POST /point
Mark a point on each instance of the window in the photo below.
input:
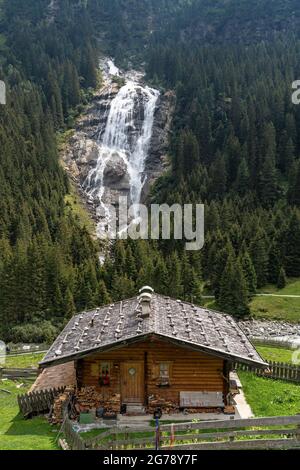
(164, 370)
(164, 374)
(105, 374)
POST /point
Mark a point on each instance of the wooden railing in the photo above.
(277, 370)
(74, 440)
(13, 374)
(256, 433)
(38, 402)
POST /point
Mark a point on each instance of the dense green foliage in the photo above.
(48, 263)
(235, 146)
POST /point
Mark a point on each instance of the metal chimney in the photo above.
(145, 301)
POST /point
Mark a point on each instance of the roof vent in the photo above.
(145, 301)
(146, 289)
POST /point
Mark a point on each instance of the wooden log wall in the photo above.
(190, 370)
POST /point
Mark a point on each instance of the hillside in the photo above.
(234, 145)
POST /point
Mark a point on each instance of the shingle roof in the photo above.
(180, 322)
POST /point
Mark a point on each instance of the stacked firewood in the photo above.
(59, 404)
(113, 405)
(88, 398)
(166, 406)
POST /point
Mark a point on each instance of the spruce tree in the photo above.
(69, 305)
(292, 247)
(234, 295)
(249, 273)
(281, 283)
(260, 258)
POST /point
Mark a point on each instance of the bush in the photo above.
(43, 332)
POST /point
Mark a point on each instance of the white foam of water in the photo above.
(121, 139)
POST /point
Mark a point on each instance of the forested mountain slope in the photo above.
(235, 146)
(47, 262)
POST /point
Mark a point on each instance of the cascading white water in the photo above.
(127, 136)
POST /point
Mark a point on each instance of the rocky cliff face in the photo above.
(157, 160)
(120, 144)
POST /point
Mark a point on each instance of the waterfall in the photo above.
(127, 136)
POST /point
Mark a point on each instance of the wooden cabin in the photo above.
(154, 352)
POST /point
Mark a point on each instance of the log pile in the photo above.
(113, 405)
(166, 406)
(58, 406)
(88, 398)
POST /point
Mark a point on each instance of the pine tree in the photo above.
(69, 305)
(175, 280)
(275, 263)
(103, 297)
(268, 183)
(294, 189)
(218, 174)
(243, 178)
(249, 273)
(260, 258)
(196, 288)
(234, 295)
(292, 248)
(281, 283)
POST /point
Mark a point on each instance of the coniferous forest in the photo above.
(235, 146)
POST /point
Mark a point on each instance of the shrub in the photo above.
(43, 332)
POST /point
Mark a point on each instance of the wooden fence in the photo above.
(13, 374)
(277, 370)
(255, 433)
(38, 402)
(74, 440)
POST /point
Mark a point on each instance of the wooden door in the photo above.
(132, 382)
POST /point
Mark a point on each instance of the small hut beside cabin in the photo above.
(153, 352)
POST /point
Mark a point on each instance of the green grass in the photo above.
(270, 353)
(25, 361)
(77, 208)
(17, 433)
(269, 397)
(271, 308)
(276, 308)
(292, 288)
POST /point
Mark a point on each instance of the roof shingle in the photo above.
(121, 323)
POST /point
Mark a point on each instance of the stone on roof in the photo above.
(173, 320)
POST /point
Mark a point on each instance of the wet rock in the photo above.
(82, 153)
(271, 329)
(158, 161)
(115, 174)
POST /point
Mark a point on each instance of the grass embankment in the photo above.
(271, 308)
(292, 288)
(278, 308)
(269, 353)
(269, 397)
(17, 433)
(25, 361)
